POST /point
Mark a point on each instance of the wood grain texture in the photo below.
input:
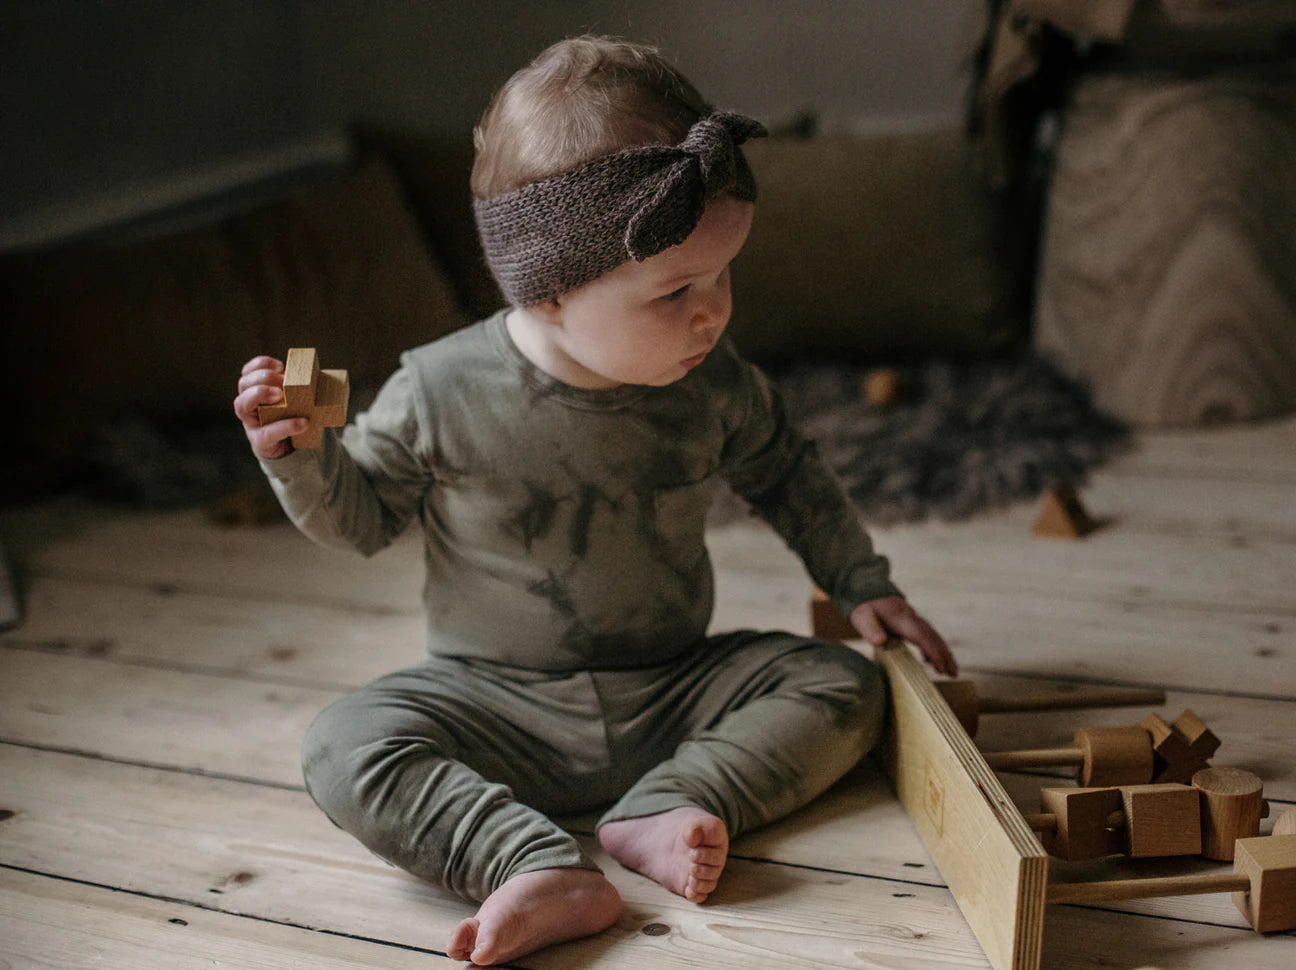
(994, 865)
(1168, 274)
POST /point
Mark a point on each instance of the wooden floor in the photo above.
(151, 808)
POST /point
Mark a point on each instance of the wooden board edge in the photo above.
(992, 862)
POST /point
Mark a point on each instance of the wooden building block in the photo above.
(1114, 756)
(1161, 820)
(1082, 822)
(826, 621)
(1062, 516)
(1285, 823)
(319, 395)
(1270, 863)
(1181, 749)
(1232, 804)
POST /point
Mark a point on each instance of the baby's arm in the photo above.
(359, 490)
(261, 382)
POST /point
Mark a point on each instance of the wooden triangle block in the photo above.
(320, 395)
(1062, 516)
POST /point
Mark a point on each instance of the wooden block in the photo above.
(1161, 820)
(310, 393)
(1114, 756)
(1232, 803)
(1270, 863)
(1083, 829)
(1181, 749)
(989, 857)
(826, 621)
(1285, 823)
(883, 387)
(1201, 742)
(1061, 515)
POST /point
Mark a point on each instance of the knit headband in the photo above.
(559, 233)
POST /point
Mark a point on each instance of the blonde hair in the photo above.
(580, 99)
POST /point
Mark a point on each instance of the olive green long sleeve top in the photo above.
(563, 527)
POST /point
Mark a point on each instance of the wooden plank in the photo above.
(197, 722)
(46, 922)
(223, 725)
(270, 853)
(992, 862)
(320, 644)
(1239, 452)
(181, 550)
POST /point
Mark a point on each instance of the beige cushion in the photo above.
(871, 247)
(163, 327)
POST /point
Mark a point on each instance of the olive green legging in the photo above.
(449, 769)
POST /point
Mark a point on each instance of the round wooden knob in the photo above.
(1232, 804)
(1114, 756)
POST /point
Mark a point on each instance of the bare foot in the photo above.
(684, 849)
(533, 910)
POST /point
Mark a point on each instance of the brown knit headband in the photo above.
(559, 233)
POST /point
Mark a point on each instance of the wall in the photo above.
(113, 107)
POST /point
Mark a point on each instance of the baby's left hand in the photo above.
(893, 616)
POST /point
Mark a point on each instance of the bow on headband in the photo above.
(559, 233)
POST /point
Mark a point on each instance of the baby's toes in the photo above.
(708, 855)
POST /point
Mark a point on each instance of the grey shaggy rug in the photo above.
(963, 438)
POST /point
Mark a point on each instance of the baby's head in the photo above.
(596, 153)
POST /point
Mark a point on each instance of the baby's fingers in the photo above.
(251, 398)
(263, 362)
(271, 441)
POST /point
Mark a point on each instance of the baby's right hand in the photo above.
(262, 383)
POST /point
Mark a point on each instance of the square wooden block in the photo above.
(1162, 820)
(1083, 822)
(1269, 861)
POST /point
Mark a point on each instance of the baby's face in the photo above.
(652, 322)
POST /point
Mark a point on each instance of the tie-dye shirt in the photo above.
(563, 527)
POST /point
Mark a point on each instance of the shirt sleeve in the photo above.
(361, 490)
(771, 465)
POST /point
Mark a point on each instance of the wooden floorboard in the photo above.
(152, 706)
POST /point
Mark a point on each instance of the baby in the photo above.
(559, 458)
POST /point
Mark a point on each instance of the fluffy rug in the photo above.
(960, 438)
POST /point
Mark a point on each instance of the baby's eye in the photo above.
(674, 295)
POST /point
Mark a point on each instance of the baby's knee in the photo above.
(853, 687)
(350, 757)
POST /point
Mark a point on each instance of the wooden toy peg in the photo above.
(1263, 883)
(1105, 756)
(1232, 805)
(1183, 748)
(968, 704)
(320, 395)
(1061, 515)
